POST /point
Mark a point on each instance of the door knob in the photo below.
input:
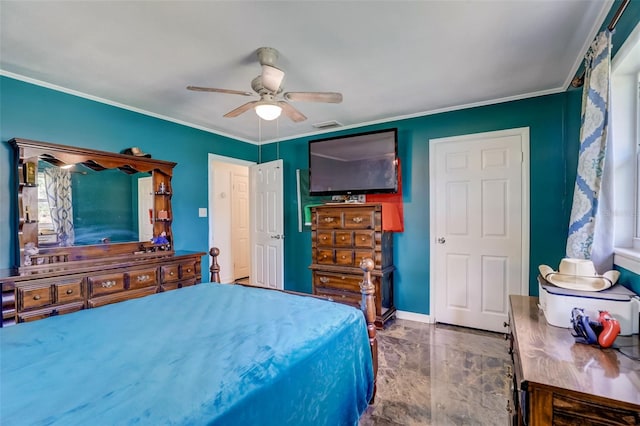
(441, 240)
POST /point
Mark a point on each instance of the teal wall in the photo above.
(33, 112)
(629, 279)
(552, 145)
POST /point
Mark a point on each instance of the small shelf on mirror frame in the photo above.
(166, 194)
(29, 185)
(29, 221)
(163, 220)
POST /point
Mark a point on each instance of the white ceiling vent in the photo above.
(327, 124)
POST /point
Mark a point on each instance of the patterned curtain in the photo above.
(58, 186)
(590, 226)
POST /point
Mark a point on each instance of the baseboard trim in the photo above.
(412, 316)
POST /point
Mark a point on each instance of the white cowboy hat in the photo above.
(578, 274)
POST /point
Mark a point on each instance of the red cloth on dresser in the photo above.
(392, 207)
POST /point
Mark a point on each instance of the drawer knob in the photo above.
(36, 297)
(324, 280)
(357, 219)
(171, 273)
(328, 219)
(188, 269)
(70, 291)
(343, 238)
(108, 284)
(344, 257)
(324, 237)
(142, 278)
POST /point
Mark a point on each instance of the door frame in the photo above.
(211, 191)
(523, 132)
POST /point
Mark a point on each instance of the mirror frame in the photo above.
(27, 153)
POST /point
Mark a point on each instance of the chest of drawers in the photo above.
(58, 291)
(342, 235)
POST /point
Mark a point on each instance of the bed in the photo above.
(212, 354)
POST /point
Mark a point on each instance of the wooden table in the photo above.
(560, 382)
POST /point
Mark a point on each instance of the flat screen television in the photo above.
(363, 163)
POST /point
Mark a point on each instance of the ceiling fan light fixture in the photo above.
(268, 111)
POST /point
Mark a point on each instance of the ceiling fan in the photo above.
(268, 85)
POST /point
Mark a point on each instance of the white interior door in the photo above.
(221, 196)
(479, 226)
(267, 224)
(240, 222)
(145, 208)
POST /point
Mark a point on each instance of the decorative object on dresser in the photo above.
(556, 381)
(96, 257)
(341, 236)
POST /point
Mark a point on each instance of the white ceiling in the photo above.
(389, 59)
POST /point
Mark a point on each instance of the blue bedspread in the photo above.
(203, 355)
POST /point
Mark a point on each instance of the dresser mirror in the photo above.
(78, 204)
(106, 206)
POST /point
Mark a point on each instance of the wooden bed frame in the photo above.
(368, 306)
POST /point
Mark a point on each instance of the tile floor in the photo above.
(439, 375)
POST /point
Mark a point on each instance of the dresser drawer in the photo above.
(119, 297)
(324, 257)
(344, 238)
(365, 239)
(49, 312)
(329, 219)
(141, 279)
(68, 291)
(346, 297)
(105, 284)
(32, 297)
(358, 255)
(337, 281)
(170, 273)
(325, 238)
(359, 219)
(344, 257)
(177, 284)
(568, 410)
(187, 270)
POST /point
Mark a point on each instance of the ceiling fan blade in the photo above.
(212, 89)
(242, 108)
(291, 112)
(272, 78)
(330, 97)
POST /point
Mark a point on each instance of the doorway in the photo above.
(479, 226)
(229, 207)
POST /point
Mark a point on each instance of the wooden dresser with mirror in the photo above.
(92, 228)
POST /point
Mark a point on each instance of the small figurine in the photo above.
(162, 188)
(160, 239)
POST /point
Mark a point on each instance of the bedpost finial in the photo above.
(367, 264)
(215, 268)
